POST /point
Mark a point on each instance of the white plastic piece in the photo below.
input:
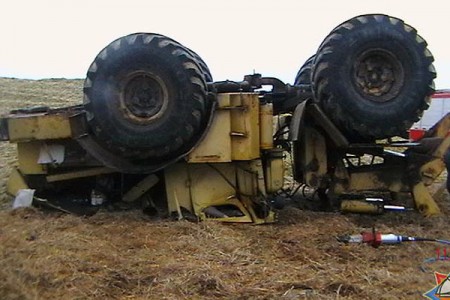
(24, 198)
(97, 198)
(51, 154)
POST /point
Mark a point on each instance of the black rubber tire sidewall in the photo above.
(182, 120)
(304, 74)
(335, 90)
(202, 64)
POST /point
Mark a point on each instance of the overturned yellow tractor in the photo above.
(155, 128)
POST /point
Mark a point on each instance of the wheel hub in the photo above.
(378, 75)
(144, 97)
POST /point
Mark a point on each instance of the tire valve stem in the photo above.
(376, 238)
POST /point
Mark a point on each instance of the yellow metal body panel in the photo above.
(244, 126)
(39, 127)
(251, 184)
(178, 187)
(79, 174)
(424, 201)
(28, 155)
(275, 171)
(266, 126)
(432, 169)
(235, 131)
(216, 146)
(366, 181)
(371, 181)
(211, 184)
(15, 183)
(250, 175)
(247, 179)
(198, 187)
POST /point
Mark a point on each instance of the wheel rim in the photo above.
(378, 75)
(144, 97)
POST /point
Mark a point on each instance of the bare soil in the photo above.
(128, 255)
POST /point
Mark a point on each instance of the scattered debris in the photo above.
(24, 198)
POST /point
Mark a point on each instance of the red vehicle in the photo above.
(439, 107)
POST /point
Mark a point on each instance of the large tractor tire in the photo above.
(304, 73)
(146, 98)
(203, 66)
(373, 76)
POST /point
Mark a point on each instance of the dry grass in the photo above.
(126, 255)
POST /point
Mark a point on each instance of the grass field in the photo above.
(128, 255)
